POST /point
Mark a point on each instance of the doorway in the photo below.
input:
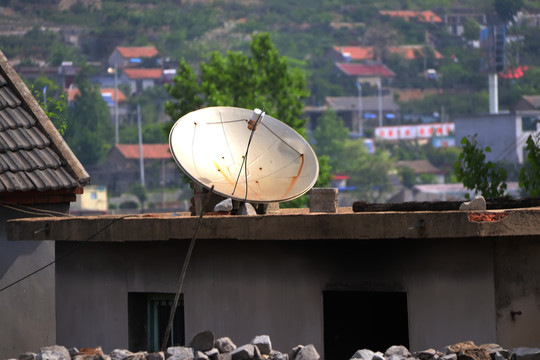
(355, 320)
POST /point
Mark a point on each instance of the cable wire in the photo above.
(184, 270)
(63, 256)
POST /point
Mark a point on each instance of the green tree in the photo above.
(471, 29)
(89, 131)
(263, 79)
(330, 135)
(477, 174)
(529, 176)
(368, 173)
(52, 100)
(506, 9)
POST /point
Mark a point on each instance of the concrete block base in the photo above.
(324, 200)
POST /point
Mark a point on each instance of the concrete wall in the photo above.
(496, 131)
(27, 309)
(518, 290)
(245, 288)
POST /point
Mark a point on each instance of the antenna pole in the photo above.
(141, 158)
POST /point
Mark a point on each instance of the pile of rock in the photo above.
(203, 347)
(467, 350)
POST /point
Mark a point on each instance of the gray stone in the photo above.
(247, 209)
(478, 203)
(155, 356)
(225, 205)
(244, 352)
(364, 354)
(525, 353)
(323, 200)
(212, 353)
(180, 353)
(492, 348)
(27, 356)
(395, 357)
(199, 355)
(203, 341)
(120, 354)
(73, 352)
(449, 357)
(428, 354)
(276, 355)
(54, 352)
(263, 343)
(225, 356)
(307, 352)
(378, 356)
(498, 356)
(224, 345)
(399, 350)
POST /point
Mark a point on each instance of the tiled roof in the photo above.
(408, 51)
(139, 73)
(534, 100)
(137, 51)
(150, 151)
(33, 155)
(357, 53)
(365, 69)
(369, 103)
(73, 93)
(420, 167)
(422, 16)
(362, 53)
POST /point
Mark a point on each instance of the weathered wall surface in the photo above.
(241, 288)
(27, 309)
(517, 281)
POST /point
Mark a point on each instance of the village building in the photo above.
(39, 176)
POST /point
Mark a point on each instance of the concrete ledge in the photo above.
(288, 225)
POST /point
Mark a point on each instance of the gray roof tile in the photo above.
(33, 156)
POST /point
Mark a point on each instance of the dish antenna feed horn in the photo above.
(247, 155)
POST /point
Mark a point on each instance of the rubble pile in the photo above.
(205, 347)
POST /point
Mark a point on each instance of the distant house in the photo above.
(427, 16)
(350, 107)
(128, 56)
(367, 53)
(528, 102)
(121, 168)
(39, 176)
(140, 79)
(372, 73)
(505, 134)
(454, 20)
(423, 167)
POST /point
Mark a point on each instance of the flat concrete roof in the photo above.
(286, 224)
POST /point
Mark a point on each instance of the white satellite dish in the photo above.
(210, 146)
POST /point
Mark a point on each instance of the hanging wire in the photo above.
(34, 211)
(66, 254)
(184, 270)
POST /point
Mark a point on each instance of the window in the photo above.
(148, 317)
(528, 123)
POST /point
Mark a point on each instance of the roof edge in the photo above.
(57, 141)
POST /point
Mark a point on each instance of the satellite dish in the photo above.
(211, 144)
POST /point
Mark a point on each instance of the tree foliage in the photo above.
(330, 135)
(89, 131)
(529, 176)
(477, 174)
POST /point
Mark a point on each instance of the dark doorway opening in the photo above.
(148, 317)
(355, 320)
